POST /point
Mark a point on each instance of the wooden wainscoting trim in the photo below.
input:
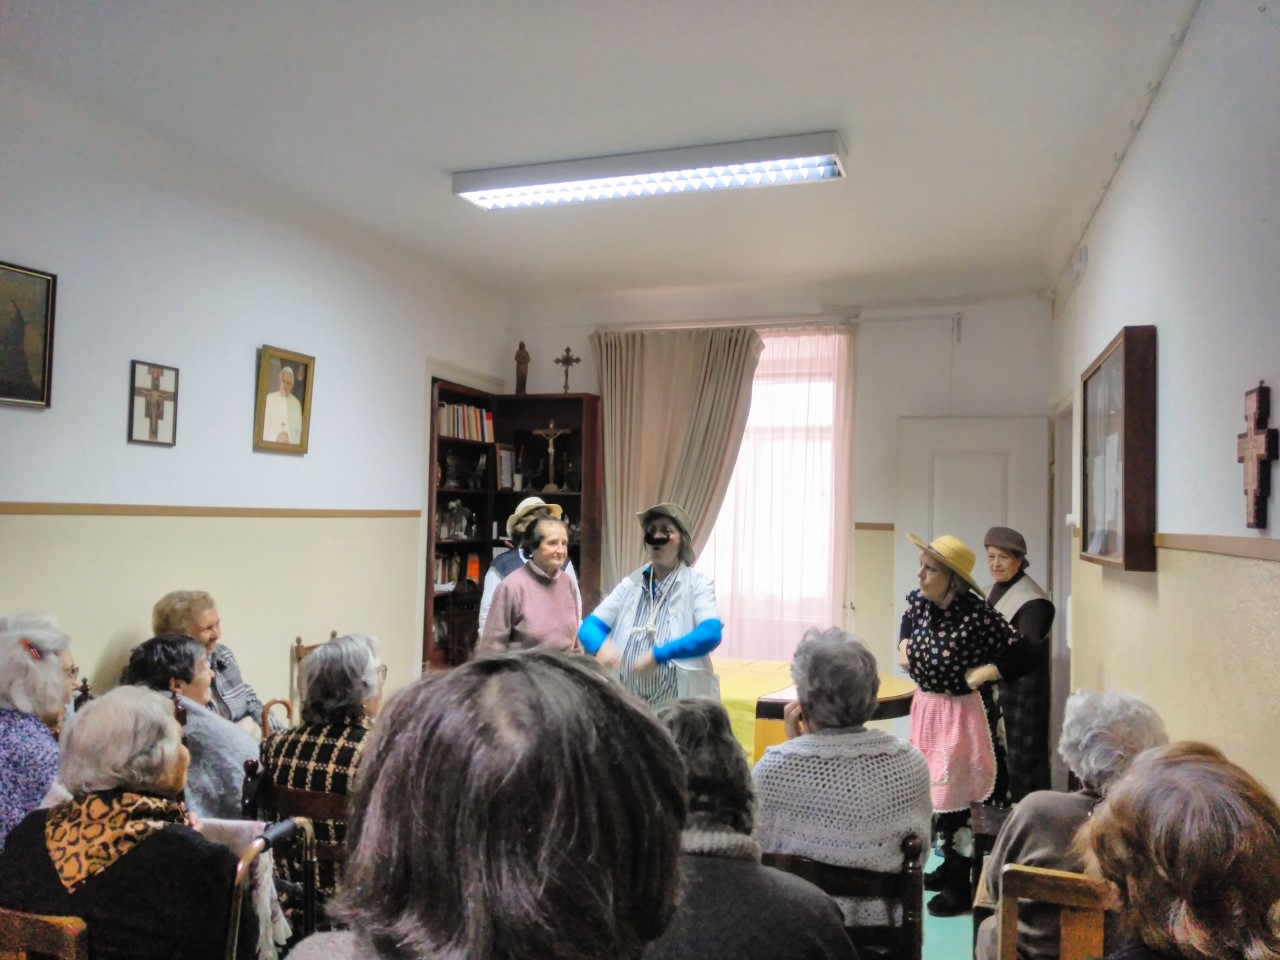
(1253, 548)
(155, 510)
(874, 526)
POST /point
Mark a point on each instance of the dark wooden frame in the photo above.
(36, 291)
(134, 367)
(1124, 378)
(266, 385)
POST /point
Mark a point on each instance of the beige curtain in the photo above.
(674, 406)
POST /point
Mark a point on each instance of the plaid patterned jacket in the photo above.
(233, 698)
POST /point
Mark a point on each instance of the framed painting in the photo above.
(506, 465)
(26, 335)
(282, 411)
(153, 404)
(1118, 453)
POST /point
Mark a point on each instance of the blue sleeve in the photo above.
(702, 639)
(593, 633)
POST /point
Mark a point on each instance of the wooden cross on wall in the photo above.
(1256, 448)
(154, 399)
(567, 361)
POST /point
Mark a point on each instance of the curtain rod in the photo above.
(848, 319)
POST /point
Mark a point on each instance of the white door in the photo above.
(963, 476)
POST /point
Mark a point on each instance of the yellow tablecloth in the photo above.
(742, 683)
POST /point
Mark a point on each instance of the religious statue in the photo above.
(550, 432)
(567, 361)
(522, 368)
(1256, 448)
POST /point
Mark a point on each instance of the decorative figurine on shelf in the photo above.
(567, 361)
(454, 471)
(458, 522)
(551, 431)
(522, 368)
(569, 471)
(476, 480)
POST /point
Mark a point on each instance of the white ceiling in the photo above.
(979, 132)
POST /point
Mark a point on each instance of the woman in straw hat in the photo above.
(659, 624)
(947, 630)
(505, 564)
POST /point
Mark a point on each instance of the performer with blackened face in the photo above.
(659, 624)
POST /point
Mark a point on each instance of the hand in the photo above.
(902, 653)
(793, 720)
(609, 654)
(193, 821)
(980, 675)
(645, 663)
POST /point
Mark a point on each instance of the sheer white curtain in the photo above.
(779, 551)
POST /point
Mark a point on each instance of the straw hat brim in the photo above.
(526, 507)
(967, 578)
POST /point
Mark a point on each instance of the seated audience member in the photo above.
(1102, 733)
(1190, 844)
(343, 681)
(180, 667)
(119, 854)
(539, 604)
(37, 679)
(730, 905)
(519, 806)
(504, 564)
(835, 791)
(193, 613)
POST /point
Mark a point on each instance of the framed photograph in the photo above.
(1118, 453)
(282, 412)
(506, 466)
(26, 335)
(153, 403)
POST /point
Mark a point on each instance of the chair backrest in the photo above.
(300, 650)
(905, 886)
(1083, 904)
(38, 937)
(262, 799)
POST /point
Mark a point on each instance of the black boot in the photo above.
(936, 878)
(957, 894)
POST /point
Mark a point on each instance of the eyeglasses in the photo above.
(72, 672)
(382, 672)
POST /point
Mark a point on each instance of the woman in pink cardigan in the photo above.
(539, 604)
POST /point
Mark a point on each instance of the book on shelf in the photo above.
(462, 421)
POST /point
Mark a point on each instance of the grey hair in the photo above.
(720, 787)
(837, 679)
(1103, 732)
(125, 738)
(29, 684)
(338, 677)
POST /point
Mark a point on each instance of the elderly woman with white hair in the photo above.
(119, 853)
(1102, 734)
(37, 679)
(342, 683)
(730, 904)
(836, 791)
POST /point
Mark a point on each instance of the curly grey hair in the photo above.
(720, 790)
(1103, 732)
(338, 677)
(125, 738)
(31, 680)
(837, 680)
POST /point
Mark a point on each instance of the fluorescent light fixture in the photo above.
(806, 158)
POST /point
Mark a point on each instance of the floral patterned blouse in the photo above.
(28, 766)
(944, 644)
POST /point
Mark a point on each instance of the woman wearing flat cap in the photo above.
(505, 564)
(947, 630)
(1023, 701)
(659, 624)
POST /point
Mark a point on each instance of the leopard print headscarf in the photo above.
(87, 835)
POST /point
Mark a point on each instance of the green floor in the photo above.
(946, 938)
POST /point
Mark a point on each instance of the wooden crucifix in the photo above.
(567, 361)
(1256, 448)
(154, 400)
(551, 431)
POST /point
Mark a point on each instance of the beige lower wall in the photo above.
(274, 578)
(1199, 639)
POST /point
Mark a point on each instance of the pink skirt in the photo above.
(952, 734)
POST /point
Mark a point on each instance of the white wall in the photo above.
(1189, 240)
(163, 256)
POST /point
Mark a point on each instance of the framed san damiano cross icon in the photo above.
(153, 404)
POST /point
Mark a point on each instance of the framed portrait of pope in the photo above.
(282, 413)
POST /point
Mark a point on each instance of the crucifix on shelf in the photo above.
(1256, 448)
(154, 400)
(567, 361)
(551, 431)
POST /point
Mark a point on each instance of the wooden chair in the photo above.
(300, 650)
(297, 830)
(36, 937)
(1083, 905)
(905, 885)
(986, 819)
